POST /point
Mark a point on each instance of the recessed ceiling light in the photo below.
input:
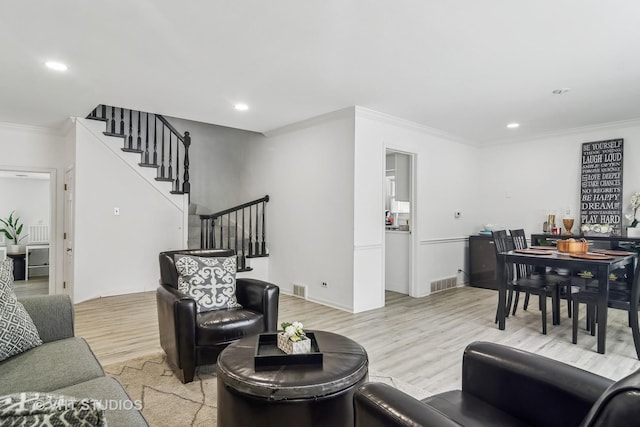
(513, 125)
(561, 91)
(241, 107)
(56, 66)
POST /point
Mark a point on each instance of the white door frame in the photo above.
(53, 219)
(414, 223)
(69, 229)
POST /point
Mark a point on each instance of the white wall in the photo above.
(117, 254)
(218, 168)
(446, 181)
(29, 198)
(307, 170)
(522, 181)
(40, 150)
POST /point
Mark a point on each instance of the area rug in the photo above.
(167, 402)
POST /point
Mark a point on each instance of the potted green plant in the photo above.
(11, 228)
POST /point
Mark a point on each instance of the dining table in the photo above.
(601, 264)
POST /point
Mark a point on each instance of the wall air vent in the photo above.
(300, 291)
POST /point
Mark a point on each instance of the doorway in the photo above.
(29, 194)
(69, 227)
(399, 221)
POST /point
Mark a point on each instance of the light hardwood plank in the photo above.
(31, 287)
(418, 340)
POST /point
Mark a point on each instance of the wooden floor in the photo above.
(418, 340)
(33, 286)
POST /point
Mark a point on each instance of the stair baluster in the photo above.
(122, 121)
(257, 248)
(139, 140)
(146, 143)
(244, 251)
(162, 155)
(213, 234)
(113, 120)
(170, 176)
(155, 140)
(186, 185)
(130, 139)
(263, 248)
(176, 186)
(221, 233)
(229, 230)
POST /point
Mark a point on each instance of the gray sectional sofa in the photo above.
(65, 364)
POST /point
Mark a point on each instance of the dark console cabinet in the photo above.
(18, 265)
(595, 242)
(482, 262)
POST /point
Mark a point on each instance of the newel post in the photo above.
(186, 185)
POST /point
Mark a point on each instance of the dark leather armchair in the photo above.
(193, 339)
(502, 386)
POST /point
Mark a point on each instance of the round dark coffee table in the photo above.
(300, 395)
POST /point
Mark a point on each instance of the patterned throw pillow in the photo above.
(210, 281)
(6, 271)
(42, 409)
(17, 331)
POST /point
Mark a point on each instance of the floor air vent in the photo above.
(300, 291)
(441, 285)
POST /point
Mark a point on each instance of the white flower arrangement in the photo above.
(292, 339)
(294, 331)
(635, 204)
(596, 228)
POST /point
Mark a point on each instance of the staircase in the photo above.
(241, 228)
(163, 148)
(154, 138)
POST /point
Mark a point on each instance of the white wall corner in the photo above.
(362, 112)
(314, 121)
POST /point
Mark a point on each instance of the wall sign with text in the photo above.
(601, 184)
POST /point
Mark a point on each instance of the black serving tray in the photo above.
(269, 356)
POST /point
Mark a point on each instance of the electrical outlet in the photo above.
(324, 284)
(116, 211)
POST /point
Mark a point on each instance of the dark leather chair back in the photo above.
(619, 405)
(168, 272)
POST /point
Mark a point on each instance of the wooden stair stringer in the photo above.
(132, 160)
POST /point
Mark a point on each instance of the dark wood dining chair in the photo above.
(521, 282)
(564, 282)
(623, 300)
(504, 244)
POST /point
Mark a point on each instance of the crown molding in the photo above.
(407, 124)
(61, 130)
(313, 121)
(568, 132)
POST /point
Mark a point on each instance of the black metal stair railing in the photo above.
(158, 135)
(242, 228)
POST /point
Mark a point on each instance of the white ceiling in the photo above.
(466, 67)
